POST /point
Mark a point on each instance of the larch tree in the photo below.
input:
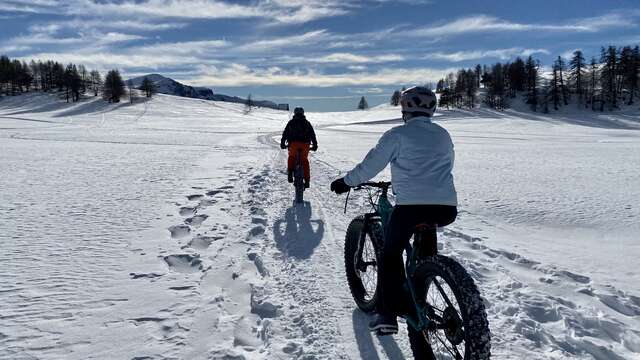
(148, 87)
(113, 88)
(577, 66)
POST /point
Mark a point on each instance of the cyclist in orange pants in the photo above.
(299, 135)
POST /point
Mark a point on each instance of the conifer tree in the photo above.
(148, 87)
(95, 81)
(395, 98)
(362, 105)
(113, 88)
(561, 67)
(531, 70)
(577, 66)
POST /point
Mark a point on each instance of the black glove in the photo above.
(283, 146)
(339, 186)
(314, 147)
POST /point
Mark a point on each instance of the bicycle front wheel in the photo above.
(454, 303)
(361, 253)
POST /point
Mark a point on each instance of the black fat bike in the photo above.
(445, 315)
(298, 178)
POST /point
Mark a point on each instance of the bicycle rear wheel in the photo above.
(298, 179)
(456, 306)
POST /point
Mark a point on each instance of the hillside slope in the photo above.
(168, 86)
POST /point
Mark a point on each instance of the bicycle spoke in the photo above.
(453, 350)
(367, 270)
(441, 290)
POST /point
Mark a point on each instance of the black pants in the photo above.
(397, 234)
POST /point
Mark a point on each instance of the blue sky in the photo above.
(322, 54)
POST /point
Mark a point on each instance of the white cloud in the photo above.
(114, 37)
(348, 58)
(241, 75)
(85, 23)
(42, 39)
(192, 9)
(90, 39)
(308, 38)
(275, 10)
(485, 23)
(106, 60)
(367, 91)
(502, 54)
(181, 48)
(351, 59)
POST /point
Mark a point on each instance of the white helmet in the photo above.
(419, 100)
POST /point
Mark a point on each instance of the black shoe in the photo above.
(384, 325)
(306, 184)
(290, 176)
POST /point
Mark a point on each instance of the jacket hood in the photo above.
(299, 117)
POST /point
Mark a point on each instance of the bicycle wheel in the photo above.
(298, 179)
(298, 183)
(362, 271)
(463, 330)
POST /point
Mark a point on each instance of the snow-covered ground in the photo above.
(166, 229)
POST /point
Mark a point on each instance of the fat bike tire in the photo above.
(366, 300)
(298, 184)
(477, 336)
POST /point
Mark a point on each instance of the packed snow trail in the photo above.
(168, 228)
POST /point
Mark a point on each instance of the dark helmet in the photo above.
(298, 111)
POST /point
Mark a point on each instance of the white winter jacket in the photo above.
(421, 156)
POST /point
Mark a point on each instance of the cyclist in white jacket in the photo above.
(421, 157)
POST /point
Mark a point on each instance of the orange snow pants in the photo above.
(304, 149)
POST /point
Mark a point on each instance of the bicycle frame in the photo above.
(383, 209)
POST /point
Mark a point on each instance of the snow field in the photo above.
(167, 229)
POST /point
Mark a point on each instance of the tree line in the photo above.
(606, 82)
(17, 77)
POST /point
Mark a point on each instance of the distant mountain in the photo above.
(169, 86)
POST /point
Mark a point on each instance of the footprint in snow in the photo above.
(257, 261)
(147, 276)
(257, 230)
(184, 263)
(207, 202)
(201, 242)
(194, 197)
(258, 220)
(620, 304)
(187, 210)
(196, 220)
(256, 211)
(179, 231)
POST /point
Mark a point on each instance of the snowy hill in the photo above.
(169, 86)
(167, 227)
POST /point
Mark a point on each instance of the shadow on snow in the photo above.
(297, 235)
(365, 341)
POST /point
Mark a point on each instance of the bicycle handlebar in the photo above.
(379, 185)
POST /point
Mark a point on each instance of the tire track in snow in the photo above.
(308, 271)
